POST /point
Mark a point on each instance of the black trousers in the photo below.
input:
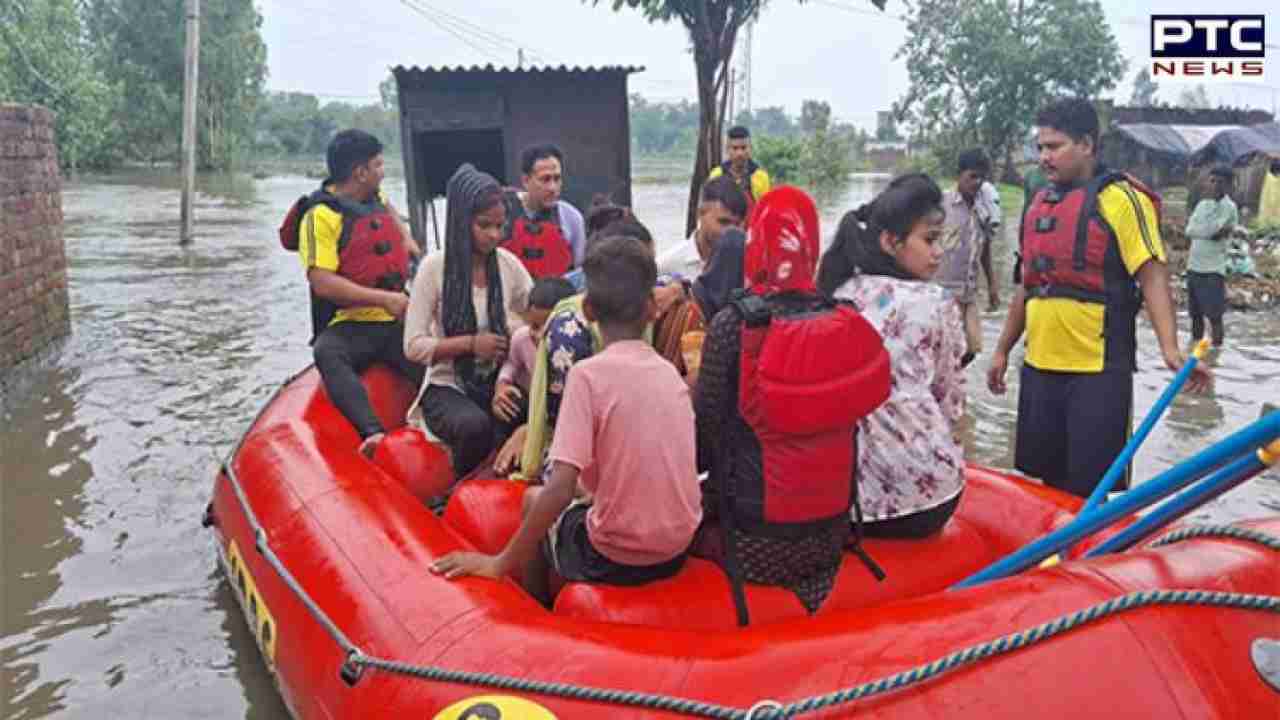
(346, 349)
(1072, 426)
(913, 526)
(465, 424)
(1206, 298)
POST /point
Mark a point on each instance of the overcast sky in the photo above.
(835, 50)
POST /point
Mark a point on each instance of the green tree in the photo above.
(390, 94)
(815, 117)
(1195, 98)
(980, 69)
(781, 156)
(713, 27)
(769, 121)
(143, 44)
(46, 59)
(233, 71)
(662, 128)
(1144, 89)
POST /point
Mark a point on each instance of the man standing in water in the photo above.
(1209, 228)
(357, 262)
(964, 235)
(1091, 255)
(750, 177)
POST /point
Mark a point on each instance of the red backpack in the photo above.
(807, 376)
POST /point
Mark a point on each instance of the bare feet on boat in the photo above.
(370, 444)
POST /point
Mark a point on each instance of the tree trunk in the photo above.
(712, 53)
(709, 154)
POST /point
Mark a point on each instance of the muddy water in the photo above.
(111, 604)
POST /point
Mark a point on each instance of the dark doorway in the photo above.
(440, 154)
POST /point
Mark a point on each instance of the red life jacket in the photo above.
(1065, 242)
(807, 377)
(540, 244)
(371, 250)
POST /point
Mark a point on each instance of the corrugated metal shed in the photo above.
(487, 115)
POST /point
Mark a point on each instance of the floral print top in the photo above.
(910, 457)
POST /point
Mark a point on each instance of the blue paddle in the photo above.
(1125, 457)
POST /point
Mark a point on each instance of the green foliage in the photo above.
(1195, 98)
(980, 69)
(661, 128)
(46, 60)
(112, 70)
(1144, 89)
(821, 159)
(293, 125)
(783, 157)
(773, 121)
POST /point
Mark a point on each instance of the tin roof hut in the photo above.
(488, 115)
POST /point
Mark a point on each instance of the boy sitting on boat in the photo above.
(641, 502)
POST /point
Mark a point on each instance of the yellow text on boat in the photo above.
(259, 616)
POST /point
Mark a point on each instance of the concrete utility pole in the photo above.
(751, 30)
(192, 82)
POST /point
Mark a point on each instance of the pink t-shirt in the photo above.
(518, 369)
(626, 421)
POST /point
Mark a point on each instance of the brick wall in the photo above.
(33, 260)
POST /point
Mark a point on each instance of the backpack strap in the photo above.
(723, 480)
(857, 549)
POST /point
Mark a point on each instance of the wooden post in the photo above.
(192, 83)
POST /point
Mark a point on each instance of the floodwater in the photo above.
(111, 603)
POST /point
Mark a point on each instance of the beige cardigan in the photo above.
(422, 325)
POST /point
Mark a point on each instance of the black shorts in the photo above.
(1206, 295)
(1072, 426)
(570, 553)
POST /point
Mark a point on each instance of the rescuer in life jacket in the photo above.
(785, 376)
(742, 168)
(546, 233)
(356, 252)
(883, 260)
(1091, 256)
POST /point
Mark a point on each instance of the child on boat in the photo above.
(511, 398)
(911, 461)
(571, 338)
(643, 502)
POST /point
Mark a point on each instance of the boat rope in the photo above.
(356, 661)
(1230, 532)
(770, 710)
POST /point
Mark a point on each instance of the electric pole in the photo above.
(751, 29)
(192, 82)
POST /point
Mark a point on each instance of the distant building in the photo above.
(887, 155)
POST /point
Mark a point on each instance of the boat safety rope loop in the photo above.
(771, 710)
(1229, 532)
(356, 661)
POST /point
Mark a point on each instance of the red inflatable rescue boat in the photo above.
(329, 552)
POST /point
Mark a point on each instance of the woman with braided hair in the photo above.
(464, 307)
(910, 461)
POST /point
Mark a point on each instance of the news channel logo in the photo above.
(1208, 48)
